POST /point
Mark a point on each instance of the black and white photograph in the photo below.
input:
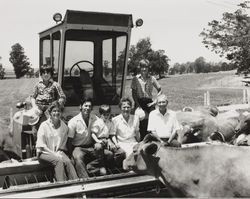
(125, 99)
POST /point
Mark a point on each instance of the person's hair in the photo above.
(161, 96)
(47, 68)
(53, 105)
(84, 100)
(104, 109)
(125, 99)
(144, 63)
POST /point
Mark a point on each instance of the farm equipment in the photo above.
(89, 53)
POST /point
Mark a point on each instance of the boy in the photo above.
(100, 134)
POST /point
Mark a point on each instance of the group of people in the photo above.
(90, 143)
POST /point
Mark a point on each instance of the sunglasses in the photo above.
(46, 71)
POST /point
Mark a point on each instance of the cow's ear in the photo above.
(150, 149)
(150, 138)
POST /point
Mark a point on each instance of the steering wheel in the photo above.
(77, 64)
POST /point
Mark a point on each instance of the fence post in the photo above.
(248, 96)
(205, 99)
(11, 120)
(208, 98)
(244, 96)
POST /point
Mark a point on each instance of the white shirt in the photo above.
(163, 125)
(125, 131)
(101, 128)
(52, 138)
(79, 131)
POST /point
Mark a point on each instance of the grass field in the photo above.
(182, 90)
(188, 89)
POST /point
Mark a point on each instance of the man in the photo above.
(142, 92)
(80, 140)
(163, 122)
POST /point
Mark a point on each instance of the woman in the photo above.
(125, 128)
(51, 144)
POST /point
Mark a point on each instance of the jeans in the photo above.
(63, 167)
(85, 159)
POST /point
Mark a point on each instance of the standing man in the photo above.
(142, 92)
(80, 140)
(163, 122)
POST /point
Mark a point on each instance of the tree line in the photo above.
(200, 66)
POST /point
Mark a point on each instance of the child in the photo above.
(100, 134)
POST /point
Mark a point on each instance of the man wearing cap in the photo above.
(163, 122)
(142, 88)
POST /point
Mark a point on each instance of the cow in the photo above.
(200, 170)
(203, 125)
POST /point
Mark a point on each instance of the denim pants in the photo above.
(85, 160)
(63, 167)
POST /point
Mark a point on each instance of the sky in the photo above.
(172, 25)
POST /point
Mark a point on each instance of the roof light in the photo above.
(57, 17)
(138, 22)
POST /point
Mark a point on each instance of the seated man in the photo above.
(163, 122)
(80, 141)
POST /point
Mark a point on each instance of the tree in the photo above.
(30, 73)
(2, 70)
(142, 50)
(138, 52)
(19, 60)
(106, 69)
(158, 62)
(199, 65)
(230, 37)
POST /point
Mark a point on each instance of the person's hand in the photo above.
(59, 154)
(37, 111)
(151, 104)
(111, 147)
(61, 101)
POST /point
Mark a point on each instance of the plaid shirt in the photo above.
(144, 88)
(46, 94)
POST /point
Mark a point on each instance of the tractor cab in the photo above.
(89, 52)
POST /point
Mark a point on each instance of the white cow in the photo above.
(203, 170)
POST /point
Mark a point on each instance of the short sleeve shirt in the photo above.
(144, 88)
(101, 128)
(79, 131)
(52, 138)
(125, 131)
(163, 125)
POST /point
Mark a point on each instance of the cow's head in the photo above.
(190, 132)
(144, 159)
(244, 125)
